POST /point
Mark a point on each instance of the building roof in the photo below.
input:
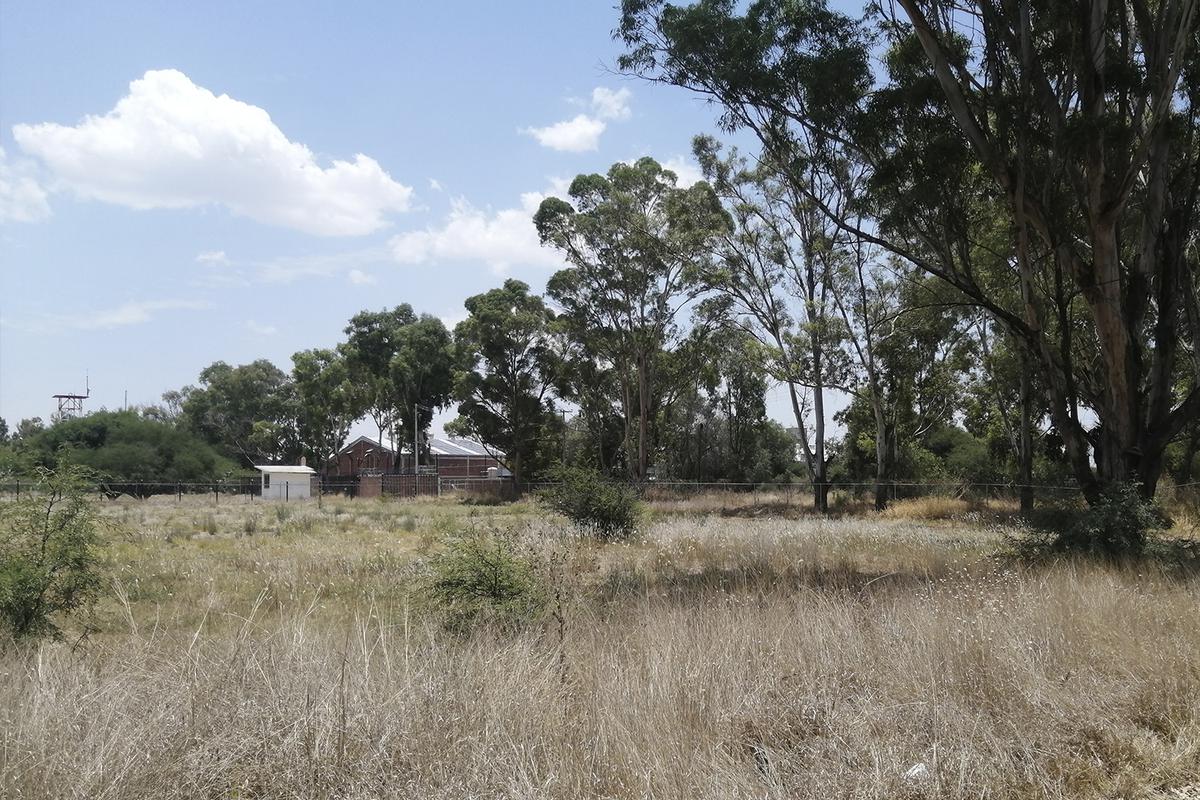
(373, 442)
(453, 446)
(460, 447)
(280, 468)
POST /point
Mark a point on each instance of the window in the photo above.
(266, 480)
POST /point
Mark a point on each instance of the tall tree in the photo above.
(372, 341)
(507, 366)
(634, 240)
(775, 268)
(327, 403)
(1075, 125)
(422, 376)
(247, 411)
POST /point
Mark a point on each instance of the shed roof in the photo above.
(274, 469)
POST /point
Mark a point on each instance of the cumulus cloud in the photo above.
(610, 104)
(172, 144)
(687, 172)
(360, 278)
(212, 257)
(501, 239)
(582, 132)
(132, 313)
(577, 135)
(22, 198)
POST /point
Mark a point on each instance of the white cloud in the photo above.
(261, 330)
(360, 278)
(132, 313)
(435, 185)
(172, 144)
(22, 198)
(609, 104)
(571, 136)
(501, 239)
(686, 171)
(212, 257)
(582, 132)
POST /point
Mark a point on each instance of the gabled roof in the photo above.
(274, 469)
(373, 442)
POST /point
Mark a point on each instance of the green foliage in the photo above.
(634, 241)
(609, 509)
(50, 550)
(1117, 526)
(397, 360)
(481, 578)
(327, 402)
(506, 367)
(247, 411)
(126, 446)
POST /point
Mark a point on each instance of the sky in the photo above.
(182, 183)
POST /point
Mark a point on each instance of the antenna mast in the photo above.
(71, 405)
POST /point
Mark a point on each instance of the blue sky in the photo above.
(190, 182)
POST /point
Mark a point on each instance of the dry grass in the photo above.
(712, 658)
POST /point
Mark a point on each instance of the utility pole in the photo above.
(416, 452)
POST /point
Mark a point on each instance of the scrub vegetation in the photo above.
(259, 650)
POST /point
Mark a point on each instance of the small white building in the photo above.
(286, 483)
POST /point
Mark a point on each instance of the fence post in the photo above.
(217, 494)
(287, 491)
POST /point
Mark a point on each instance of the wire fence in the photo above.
(401, 487)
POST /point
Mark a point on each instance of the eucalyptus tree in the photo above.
(1074, 125)
(774, 268)
(372, 341)
(247, 411)
(327, 401)
(507, 365)
(421, 373)
(634, 241)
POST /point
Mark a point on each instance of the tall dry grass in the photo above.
(713, 658)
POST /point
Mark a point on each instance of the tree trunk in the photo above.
(1025, 472)
(882, 453)
(820, 480)
(643, 417)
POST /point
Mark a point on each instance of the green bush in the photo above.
(482, 578)
(1117, 526)
(587, 498)
(50, 550)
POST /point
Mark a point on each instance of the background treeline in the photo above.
(984, 237)
(650, 356)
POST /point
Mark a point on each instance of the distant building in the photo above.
(452, 458)
(364, 456)
(286, 482)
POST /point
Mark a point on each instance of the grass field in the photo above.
(264, 651)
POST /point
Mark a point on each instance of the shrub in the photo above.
(590, 500)
(1116, 526)
(481, 578)
(49, 553)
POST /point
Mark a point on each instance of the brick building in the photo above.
(454, 458)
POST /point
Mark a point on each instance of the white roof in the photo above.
(285, 469)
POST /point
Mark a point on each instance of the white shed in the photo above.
(286, 483)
